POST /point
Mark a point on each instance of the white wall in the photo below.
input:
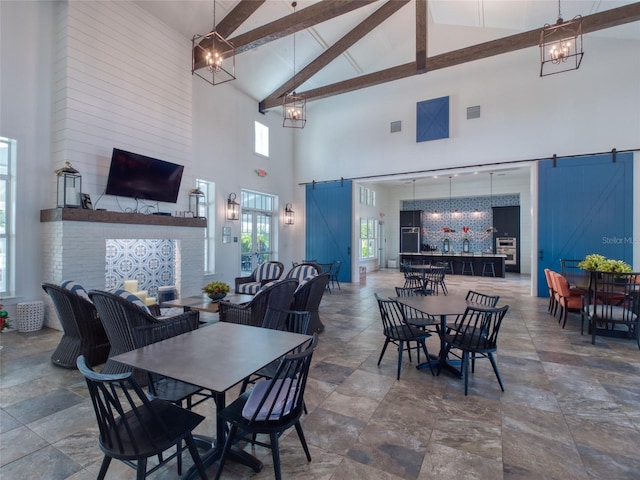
(223, 132)
(26, 58)
(523, 116)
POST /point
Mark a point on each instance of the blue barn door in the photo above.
(329, 225)
(585, 206)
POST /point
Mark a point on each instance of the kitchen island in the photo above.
(456, 260)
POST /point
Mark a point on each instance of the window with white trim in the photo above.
(7, 207)
(207, 209)
(368, 238)
(261, 139)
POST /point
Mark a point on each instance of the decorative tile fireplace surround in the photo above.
(100, 250)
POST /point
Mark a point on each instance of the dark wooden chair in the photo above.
(416, 317)
(271, 407)
(277, 296)
(334, 272)
(397, 331)
(307, 298)
(434, 279)
(169, 389)
(613, 301)
(477, 334)
(133, 427)
(120, 318)
(412, 279)
(284, 320)
(83, 333)
(263, 274)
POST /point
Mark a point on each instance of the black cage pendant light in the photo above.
(294, 106)
(561, 45)
(213, 58)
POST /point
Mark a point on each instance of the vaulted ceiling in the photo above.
(342, 46)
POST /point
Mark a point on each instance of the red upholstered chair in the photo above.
(552, 293)
(568, 300)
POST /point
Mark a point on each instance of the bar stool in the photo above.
(467, 265)
(449, 267)
(488, 265)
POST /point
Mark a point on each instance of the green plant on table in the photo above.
(599, 263)
(216, 288)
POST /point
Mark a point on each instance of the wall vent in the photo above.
(396, 126)
(473, 112)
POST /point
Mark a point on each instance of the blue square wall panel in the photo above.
(432, 117)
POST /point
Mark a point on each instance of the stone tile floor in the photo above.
(571, 410)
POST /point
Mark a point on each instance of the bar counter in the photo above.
(457, 259)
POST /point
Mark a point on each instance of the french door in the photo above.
(256, 237)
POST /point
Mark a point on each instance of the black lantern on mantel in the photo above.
(69, 186)
(195, 197)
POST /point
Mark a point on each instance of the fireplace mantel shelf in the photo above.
(103, 216)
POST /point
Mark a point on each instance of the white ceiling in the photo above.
(262, 70)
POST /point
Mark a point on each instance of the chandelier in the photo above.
(294, 106)
(213, 55)
(561, 46)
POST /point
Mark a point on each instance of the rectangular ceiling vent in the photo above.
(396, 126)
(473, 112)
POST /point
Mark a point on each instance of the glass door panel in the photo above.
(256, 240)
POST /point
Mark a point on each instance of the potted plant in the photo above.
(216, 290)
(599, 263)
(5, 321)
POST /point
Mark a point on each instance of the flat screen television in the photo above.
(143, 178)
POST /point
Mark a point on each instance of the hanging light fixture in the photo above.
(233, 207)
(561, 45)
(491, 229)
(294, 106)
(215, 54)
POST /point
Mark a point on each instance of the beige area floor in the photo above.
(570, 410)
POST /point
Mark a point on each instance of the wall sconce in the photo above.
(195, 195)
(69, 186)
(233, 208)
(289, 215)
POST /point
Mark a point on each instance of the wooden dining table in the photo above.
(440, 306)
(216, 357)
(204, 303)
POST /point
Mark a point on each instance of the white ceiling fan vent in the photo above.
(396, 126)
(473, 112)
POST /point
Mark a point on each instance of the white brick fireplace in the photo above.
(76, 250)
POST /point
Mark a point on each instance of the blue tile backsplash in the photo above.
(473, 214)
(149, 261)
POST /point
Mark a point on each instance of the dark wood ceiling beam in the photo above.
(591, 23)
(238, 16)
(305, 18)
(421, 36)
(337, 49)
